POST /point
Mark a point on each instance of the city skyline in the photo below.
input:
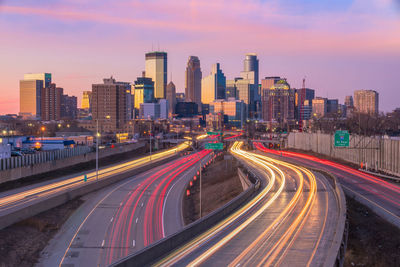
(342, 48)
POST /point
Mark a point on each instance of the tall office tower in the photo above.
(109, 105)
(250, 71)
(156, 69)
(86, 100)
(277, 101)
(213, 86)
(69, 107)
(45, 77)
(231, 90)
(30, 94)
(319, 107)
(144, 91)
(305, 95)
(234, 110)
(332, 106)
(171, 97)
(366, 101)
(51, 102)
(193, 81)
(251, 74)
(243, 90)
(348, 101)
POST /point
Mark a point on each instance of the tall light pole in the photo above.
(97, 149)
(150, 138)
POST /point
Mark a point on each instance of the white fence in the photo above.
(41, 157)
(375, 153)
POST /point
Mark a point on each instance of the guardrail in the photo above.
(162, 247)
(337, 251)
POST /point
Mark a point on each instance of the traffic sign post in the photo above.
(214, 146)
(342, 139)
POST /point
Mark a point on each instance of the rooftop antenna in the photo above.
(158, 46)
(152, 48)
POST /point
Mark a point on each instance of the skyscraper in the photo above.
(348, 101)
(250, 70)
(193, 81)
(144, 91)
(109, 105)
(30, 94)
(319, 107)
(69, 107)
(45, 77)
(250, 73)
(171, 97)
(366, 101)
(303, 103)
(213, 86)
(86, 100)
(51, 102)
(156, 69)
(277, 101)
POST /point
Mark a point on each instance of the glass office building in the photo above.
(213, 86)
(156, 69)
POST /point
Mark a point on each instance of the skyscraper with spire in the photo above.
(193, 81)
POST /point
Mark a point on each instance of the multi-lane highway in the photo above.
(14, 200)
(381, 196)
(125, 217)
(292, 221)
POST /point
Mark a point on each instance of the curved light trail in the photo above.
(24, 197)
(271, 246)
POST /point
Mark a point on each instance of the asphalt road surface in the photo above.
(381, 196)
(125, 217)
(291, 222)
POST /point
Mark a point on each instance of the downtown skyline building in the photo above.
(30, 95)
(171, 97)
(366, 101)
(51, 102)
(156, 69)
(86, 100)
(193, 77)
(110, 105)
(213, 86)
(143, 91)
(277, 101)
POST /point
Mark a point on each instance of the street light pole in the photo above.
(150, 140)
(97, 149)
(200, 187)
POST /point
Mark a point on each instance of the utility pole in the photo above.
(150, 139)
(97, 149)
(200, 186)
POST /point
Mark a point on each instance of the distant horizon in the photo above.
(339, 48)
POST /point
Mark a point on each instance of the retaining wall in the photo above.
(375, 153)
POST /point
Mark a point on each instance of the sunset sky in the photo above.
(339, 45)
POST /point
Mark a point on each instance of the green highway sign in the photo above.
(342, 139)
(214, 146)
(213, 133)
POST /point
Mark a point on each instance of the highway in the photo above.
(14, 200)
(125, 217)
(291, 221)
(381, 196)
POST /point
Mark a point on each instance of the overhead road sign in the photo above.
(342, 139)
(214, 146)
